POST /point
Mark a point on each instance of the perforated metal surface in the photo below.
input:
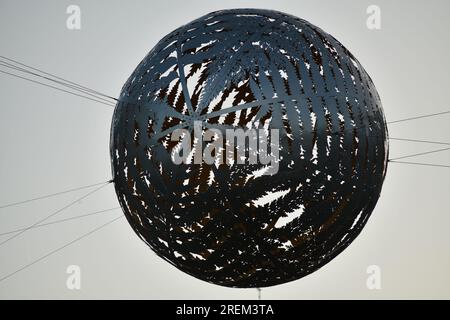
(227, 224)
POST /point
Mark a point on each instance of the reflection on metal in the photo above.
(250, 68)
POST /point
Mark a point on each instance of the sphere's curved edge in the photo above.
(341, 134)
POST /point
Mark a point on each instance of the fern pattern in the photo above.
(249, 68)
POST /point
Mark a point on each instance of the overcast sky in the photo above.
(51, 141)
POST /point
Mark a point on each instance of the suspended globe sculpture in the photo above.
(248, 148)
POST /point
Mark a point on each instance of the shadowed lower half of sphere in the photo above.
(230, 224)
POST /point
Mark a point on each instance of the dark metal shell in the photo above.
(250, 68)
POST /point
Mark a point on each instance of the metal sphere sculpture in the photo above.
(230, 224)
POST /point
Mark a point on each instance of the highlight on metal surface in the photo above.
(230, 224)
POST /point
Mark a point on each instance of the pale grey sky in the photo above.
(52, 141)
